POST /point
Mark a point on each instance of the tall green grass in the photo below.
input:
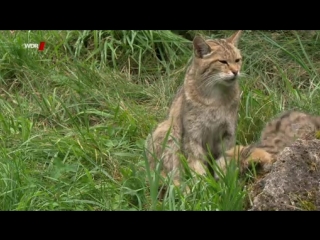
(74, 117)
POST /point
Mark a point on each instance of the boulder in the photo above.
(293, 182)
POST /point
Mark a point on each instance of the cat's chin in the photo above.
(229, 81)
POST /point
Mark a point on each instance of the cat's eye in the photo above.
(238, 60)
(224, 62)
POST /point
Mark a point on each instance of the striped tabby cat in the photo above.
(204, 112)
(279, 133)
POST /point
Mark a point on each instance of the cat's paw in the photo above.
(232, 154)
(259, 158)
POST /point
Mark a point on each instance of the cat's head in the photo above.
(218, 60)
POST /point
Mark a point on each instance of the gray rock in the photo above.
(293, 182)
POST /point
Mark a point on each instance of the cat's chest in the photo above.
(219, 119)
(216, 126)
(211, 120)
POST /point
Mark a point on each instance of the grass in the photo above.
(74, 117)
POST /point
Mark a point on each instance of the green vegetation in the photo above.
(74, 117)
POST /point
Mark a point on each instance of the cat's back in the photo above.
(286, 128)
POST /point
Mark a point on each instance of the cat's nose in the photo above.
(235, 73)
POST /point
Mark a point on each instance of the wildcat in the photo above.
(279, 133)
(203, 114)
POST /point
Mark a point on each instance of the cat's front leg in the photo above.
(227, 156)
(195, 154)
(229, 138)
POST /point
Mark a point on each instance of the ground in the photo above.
(74, 116)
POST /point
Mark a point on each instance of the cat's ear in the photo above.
(234, 39)
(200, 47)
